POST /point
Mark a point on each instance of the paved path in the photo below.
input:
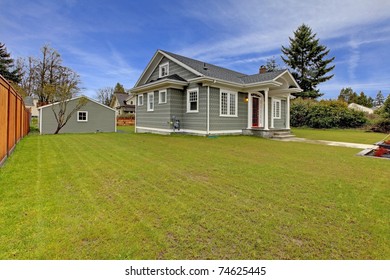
(329, 143)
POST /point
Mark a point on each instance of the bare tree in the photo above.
(104, 95)
(63, 89)
(52, 82)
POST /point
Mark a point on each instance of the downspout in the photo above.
(208, 111)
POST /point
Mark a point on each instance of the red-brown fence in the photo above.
(14, 119)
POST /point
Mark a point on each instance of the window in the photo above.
(150, 101)
(140, 100)
(162, 96)
(163, 70)
(82, 116)
(276, 108)
(228, 103)
(192, 100)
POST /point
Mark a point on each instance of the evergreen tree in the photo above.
(119, 88)
(364, 100)
(7, 67)
(385, 110)
(272, 65)
(307, 58)
(346, 95)
(379, 99)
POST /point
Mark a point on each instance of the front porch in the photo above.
(268, 110)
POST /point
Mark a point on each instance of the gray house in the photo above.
(123, 103)
(177, 93)
(92, 117)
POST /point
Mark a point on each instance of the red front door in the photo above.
(255, 112)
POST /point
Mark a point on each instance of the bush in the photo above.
(325, 114)
(383, 125)
(126, 116)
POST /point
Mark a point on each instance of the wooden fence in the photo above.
(14, 119)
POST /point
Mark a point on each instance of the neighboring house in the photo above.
(31, 103)
(362, 108)
(123, 103)
(92, 117)
(200, 98)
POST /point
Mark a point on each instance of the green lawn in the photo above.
(340, 135)
(134, 196)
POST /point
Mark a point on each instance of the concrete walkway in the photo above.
(328, 143)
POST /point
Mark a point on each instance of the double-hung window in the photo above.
(228, 103)
(162, 96)
(140, 100)
(150, 101)
(163, 70)
(82, 116)
(193, 100)
(276, 108)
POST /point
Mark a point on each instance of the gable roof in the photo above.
(121, 97)
(207, 70)
(74, 98)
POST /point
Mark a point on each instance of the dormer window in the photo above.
(163, 70)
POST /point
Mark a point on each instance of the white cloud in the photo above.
(260, 26)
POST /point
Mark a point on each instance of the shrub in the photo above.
(325, 114)
(383, 125)
(126, 116)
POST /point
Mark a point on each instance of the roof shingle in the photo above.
(217, 72)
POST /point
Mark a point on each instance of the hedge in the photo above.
(325, 114)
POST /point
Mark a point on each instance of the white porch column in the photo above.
(288, 112)
(266, 109)
(249, 110)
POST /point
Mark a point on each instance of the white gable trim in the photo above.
(152, 61)
(181, 64)
(291, 76)
(77, 97)
(155, 61)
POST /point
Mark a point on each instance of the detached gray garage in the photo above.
(91, 117)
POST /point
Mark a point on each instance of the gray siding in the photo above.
(159, 118)
(100, 119)
(278, 123)
(174, 68)
(196, 121)
(176, 99)
(227, 123)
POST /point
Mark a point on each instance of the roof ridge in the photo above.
(203, 62)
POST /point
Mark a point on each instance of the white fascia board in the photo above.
(291, 77)
(208, 81)
(159, 84)
(152, 61)
(74, 98)
(181, 64)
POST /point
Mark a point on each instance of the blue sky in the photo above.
(107, 42)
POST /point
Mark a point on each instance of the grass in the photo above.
(134, 196)
(340, 135)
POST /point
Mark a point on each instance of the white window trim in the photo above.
(188, 100)
(229, 92)
(78, 116)
(159, 96)
(140, 98)
(150, 95)
(160, 70)
(275, 103)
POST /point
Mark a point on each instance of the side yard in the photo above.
(134, 196)
(340, 135)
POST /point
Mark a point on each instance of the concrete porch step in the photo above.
(282, 135)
